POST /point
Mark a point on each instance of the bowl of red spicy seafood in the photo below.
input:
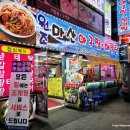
(16, 20)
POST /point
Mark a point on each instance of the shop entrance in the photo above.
(55, 80)
(48, 81)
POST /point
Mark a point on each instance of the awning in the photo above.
(98, 60)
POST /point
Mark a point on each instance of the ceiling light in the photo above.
(62, 53)
(74, 55)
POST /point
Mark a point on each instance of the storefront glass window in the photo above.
(107, 72)
(41, 83)
(91, 72)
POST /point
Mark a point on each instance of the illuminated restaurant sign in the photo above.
(123, 17)
(56, 34)
(7, 55)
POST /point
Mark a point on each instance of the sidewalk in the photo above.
(107, 116)
(58, 118)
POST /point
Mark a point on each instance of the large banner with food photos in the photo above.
(7, 55)
(17, 22)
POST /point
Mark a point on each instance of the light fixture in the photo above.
(84, 60)
(62, 53)
(74, 55)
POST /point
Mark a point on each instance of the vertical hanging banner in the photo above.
(18, 109)
(107, 19)
(123, 16)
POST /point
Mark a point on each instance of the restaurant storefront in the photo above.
(88, 57)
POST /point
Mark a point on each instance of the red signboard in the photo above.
(7, 55)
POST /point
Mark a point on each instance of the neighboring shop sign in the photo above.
(7, 55)
(18, 25)
(123, 53)
(67, 17)
(107, 19)
(90, 17)
(68, 6)
(55, 87)
(57, 34)
(98, 4)
(124, 39)
(19, 97)
(123, 17)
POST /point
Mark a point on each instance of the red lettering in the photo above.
(91, 40)
(82, 39)
(124, 24)
(16, 84)
(123, 8)
(98, 43)
(16, 107)
(24, 108)
(26, 93)
(20, 92)
(14, 92)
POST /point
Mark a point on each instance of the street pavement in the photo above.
(112, 115)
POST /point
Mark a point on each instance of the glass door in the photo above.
(41, 67)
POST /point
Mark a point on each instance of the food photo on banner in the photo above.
(18, 23)
(73, 79)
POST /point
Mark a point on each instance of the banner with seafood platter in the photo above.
(17, 23)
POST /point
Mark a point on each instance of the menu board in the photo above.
(55, 87)
(7, 55)
(18, 109)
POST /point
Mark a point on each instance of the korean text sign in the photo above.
(55, 87)
(18, 109)
(99, 4)
(123, 17)
(7, 55)
(56, 34)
